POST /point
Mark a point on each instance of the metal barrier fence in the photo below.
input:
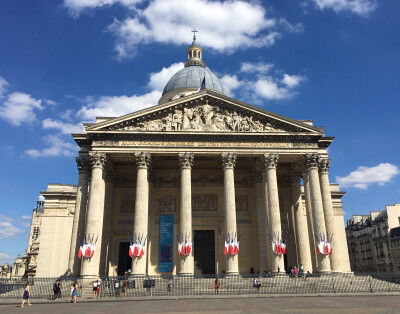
(39, 288)
(168, 285)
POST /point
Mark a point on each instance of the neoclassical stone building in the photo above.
(218, 167)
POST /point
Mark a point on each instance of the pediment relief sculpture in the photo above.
(208, 118)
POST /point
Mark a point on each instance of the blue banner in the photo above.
(165, 261)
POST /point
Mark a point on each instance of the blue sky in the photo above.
(336, 62)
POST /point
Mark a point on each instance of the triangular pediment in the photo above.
(206, 111)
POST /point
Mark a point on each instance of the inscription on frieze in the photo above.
(167, 203)
(242, 203)
(204, 202)
(127, 205)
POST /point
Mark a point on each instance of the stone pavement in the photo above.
(367, 303)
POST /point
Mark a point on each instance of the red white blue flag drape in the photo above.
(231, 244)
(87, 248)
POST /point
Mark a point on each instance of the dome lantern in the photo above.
(195, 53)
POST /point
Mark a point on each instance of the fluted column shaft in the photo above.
(310, 223)
(228, 162)
(262, 223)
(95, 213)
(303, 243)
(324, 264)
(78, 225)
(339, 258)
(108, 207)
(271, 161)
(186, 163)
(141, 218)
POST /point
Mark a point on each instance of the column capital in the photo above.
(82, 163)
(270, 160)
(324, 164)
(143, 160)
(98, 160)
(228, 160)
(311, 160)
(186, 160)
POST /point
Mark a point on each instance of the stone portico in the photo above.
(221, 168)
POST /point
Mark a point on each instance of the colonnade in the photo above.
(319, 219)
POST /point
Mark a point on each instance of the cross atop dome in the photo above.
(194, 36)
(194, 53)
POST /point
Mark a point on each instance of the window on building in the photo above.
(35, 233)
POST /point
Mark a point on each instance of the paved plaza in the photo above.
(289, 304)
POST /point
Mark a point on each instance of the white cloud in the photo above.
(6, 259)
(8, 230)
(3, 86)
(292, 28)
(20, 108)
(292, 81)
(171, 21)
(75, 7)
(6, 218)
(268, 88)
(365, 176)
(259, 67)
(159, 79)
(63, 127)
(359, 7)
(26, 217)
(231, 82)
(114, 106)
(56, 146)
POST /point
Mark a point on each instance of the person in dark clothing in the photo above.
(55, 290)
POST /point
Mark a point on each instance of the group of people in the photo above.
(296, 272)
(56, 290)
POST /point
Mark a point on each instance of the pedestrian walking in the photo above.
(55, 290)
(95, 288)
(106, 287)
(59, 290)
(169, 285)
(75, 292)
(216, 285)
(124, 288)
(98, 289)
(259, 284)
(25, 295)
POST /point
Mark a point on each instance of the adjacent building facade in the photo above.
(217, 168)
(374, 240)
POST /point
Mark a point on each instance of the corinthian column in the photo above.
(78, 225)
(311, 160)
(303, 243)
(270, 162)
(310, 225)
(141, 220)
(337, 258)
(228, 162)
(95, 213)
(186, 162)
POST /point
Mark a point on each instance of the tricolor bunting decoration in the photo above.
(324, 245)
(87, 248)
(184, 245)
(231, 244)
(137, 248)
(278, 244)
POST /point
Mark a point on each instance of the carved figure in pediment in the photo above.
(205, 118)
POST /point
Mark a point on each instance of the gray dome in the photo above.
(191, 77)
